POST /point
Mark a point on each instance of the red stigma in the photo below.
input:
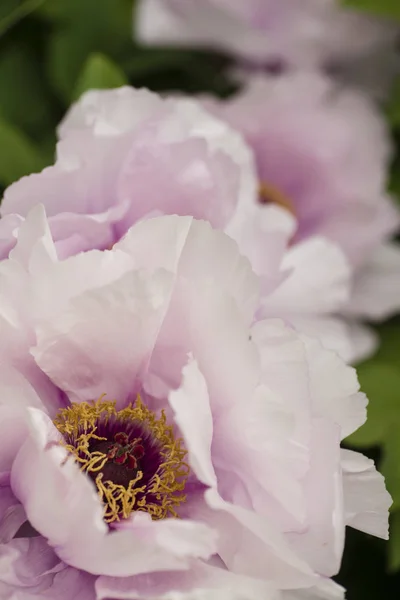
(125, 453)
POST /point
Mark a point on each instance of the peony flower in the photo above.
(155, 442)
(279, 35)
(325, 153)
(126, 154)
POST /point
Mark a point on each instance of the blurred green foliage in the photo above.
(53, 50)
(99, 72)
(380, 380)
(384, 8)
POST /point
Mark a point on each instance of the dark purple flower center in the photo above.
(131, 455)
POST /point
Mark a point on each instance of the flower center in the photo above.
(131, 455)
(269, 194)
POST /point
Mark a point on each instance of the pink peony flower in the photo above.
(278, 35)
(126, 154)
(154, 442)
(326, 152)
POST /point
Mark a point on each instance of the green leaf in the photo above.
(393, 109)
(99, 72)
(16, 11)
(7, 7)
(394, 542)
(18, 155)
(390, 465)
(380, 380)
(383, 8)
(24, 99)
(381, 383)
(389, 350)
(81, 28)
(394, 179)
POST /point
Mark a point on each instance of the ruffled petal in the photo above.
(193, 416)
(326, 589)
(29, 570)
(201, 582)
(35, 247)
(334, 388)
(194, 251)
(366, 500)
(262, 233)
(321, 543)
(108, 336)
(27, 564)
(9, 225)
(376, 290)
(251, 546)
(318, 283)
(304, 37)
(12, 513)
(364, 341)
(333, 332)
(109, 113)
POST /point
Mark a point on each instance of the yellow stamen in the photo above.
(270, 194)
(78, 424)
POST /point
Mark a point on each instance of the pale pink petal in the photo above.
(205, 189)
(309, 35)
(13, 430)
(103, 180)
(107, 335)
(334, 388)
(318, 282)
(228, 360)
(333, 332)
(35, 246)
(326, 589)
(195, 251)
(364, 340)
(14, 351)
(366, 501)
(209, 24)
(15, 391)
(263, 234)
(12, 514)
(71, 583)
(322, 541)
(73, 184)
(258, 460)
(376, 291)
(193, 416)
(215, 167)
(327, 149)
(109, 112)
(352, 341)
(201, 582)
(33, 571)
(282, 352)
(74, 233)
(27, 563)
(203, 167)
(157, 23)
(9, 225)
(250, 545)
(52, 289)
